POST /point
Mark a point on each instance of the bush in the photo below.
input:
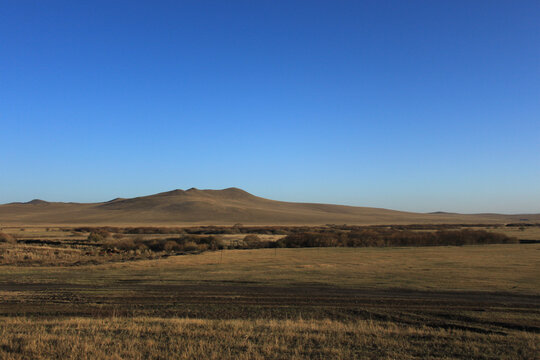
(124, 244)
(128, 244)
(254, 242)
(202, 247)
(171, 245)
(191, 246)
(212, 242)
(391, 237)
(7, 238)
(95, 237)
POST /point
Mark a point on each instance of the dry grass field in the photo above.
(158, 338)
(522, 233)
(444, 302)
(490, 268)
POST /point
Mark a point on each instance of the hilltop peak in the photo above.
(37, 202)
(115, 199)
(235, 189)
(194, 190)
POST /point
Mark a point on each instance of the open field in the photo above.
(73, 246)
(495, 268)
(158, 338)
(522, 233)
(478, 302)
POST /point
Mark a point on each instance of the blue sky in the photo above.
(409, 105)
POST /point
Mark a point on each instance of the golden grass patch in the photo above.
(157, 338)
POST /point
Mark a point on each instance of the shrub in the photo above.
(124, 244)
(212, 242)
(391, 237)
(6, 238)
(95, 237)
(172, 246)
(202, 247)
(190, 246)
(253, 242)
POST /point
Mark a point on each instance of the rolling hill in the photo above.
(222, 207)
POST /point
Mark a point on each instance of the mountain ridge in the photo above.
(223, 207)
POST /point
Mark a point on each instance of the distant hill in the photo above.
(221, 207)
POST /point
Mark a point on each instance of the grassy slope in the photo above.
(222, 207)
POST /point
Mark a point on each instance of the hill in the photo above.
(222, 207)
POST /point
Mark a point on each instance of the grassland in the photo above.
(520, 232)
(158, 338)
(474, 302)
(500, 268)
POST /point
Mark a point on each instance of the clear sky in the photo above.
(409, 105)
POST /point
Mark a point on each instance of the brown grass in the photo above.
(44, 255)
(506, 268)
(512, 268)
(6, 238)
(471, 302)
(156, 338)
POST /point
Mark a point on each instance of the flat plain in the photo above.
(477, 302)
